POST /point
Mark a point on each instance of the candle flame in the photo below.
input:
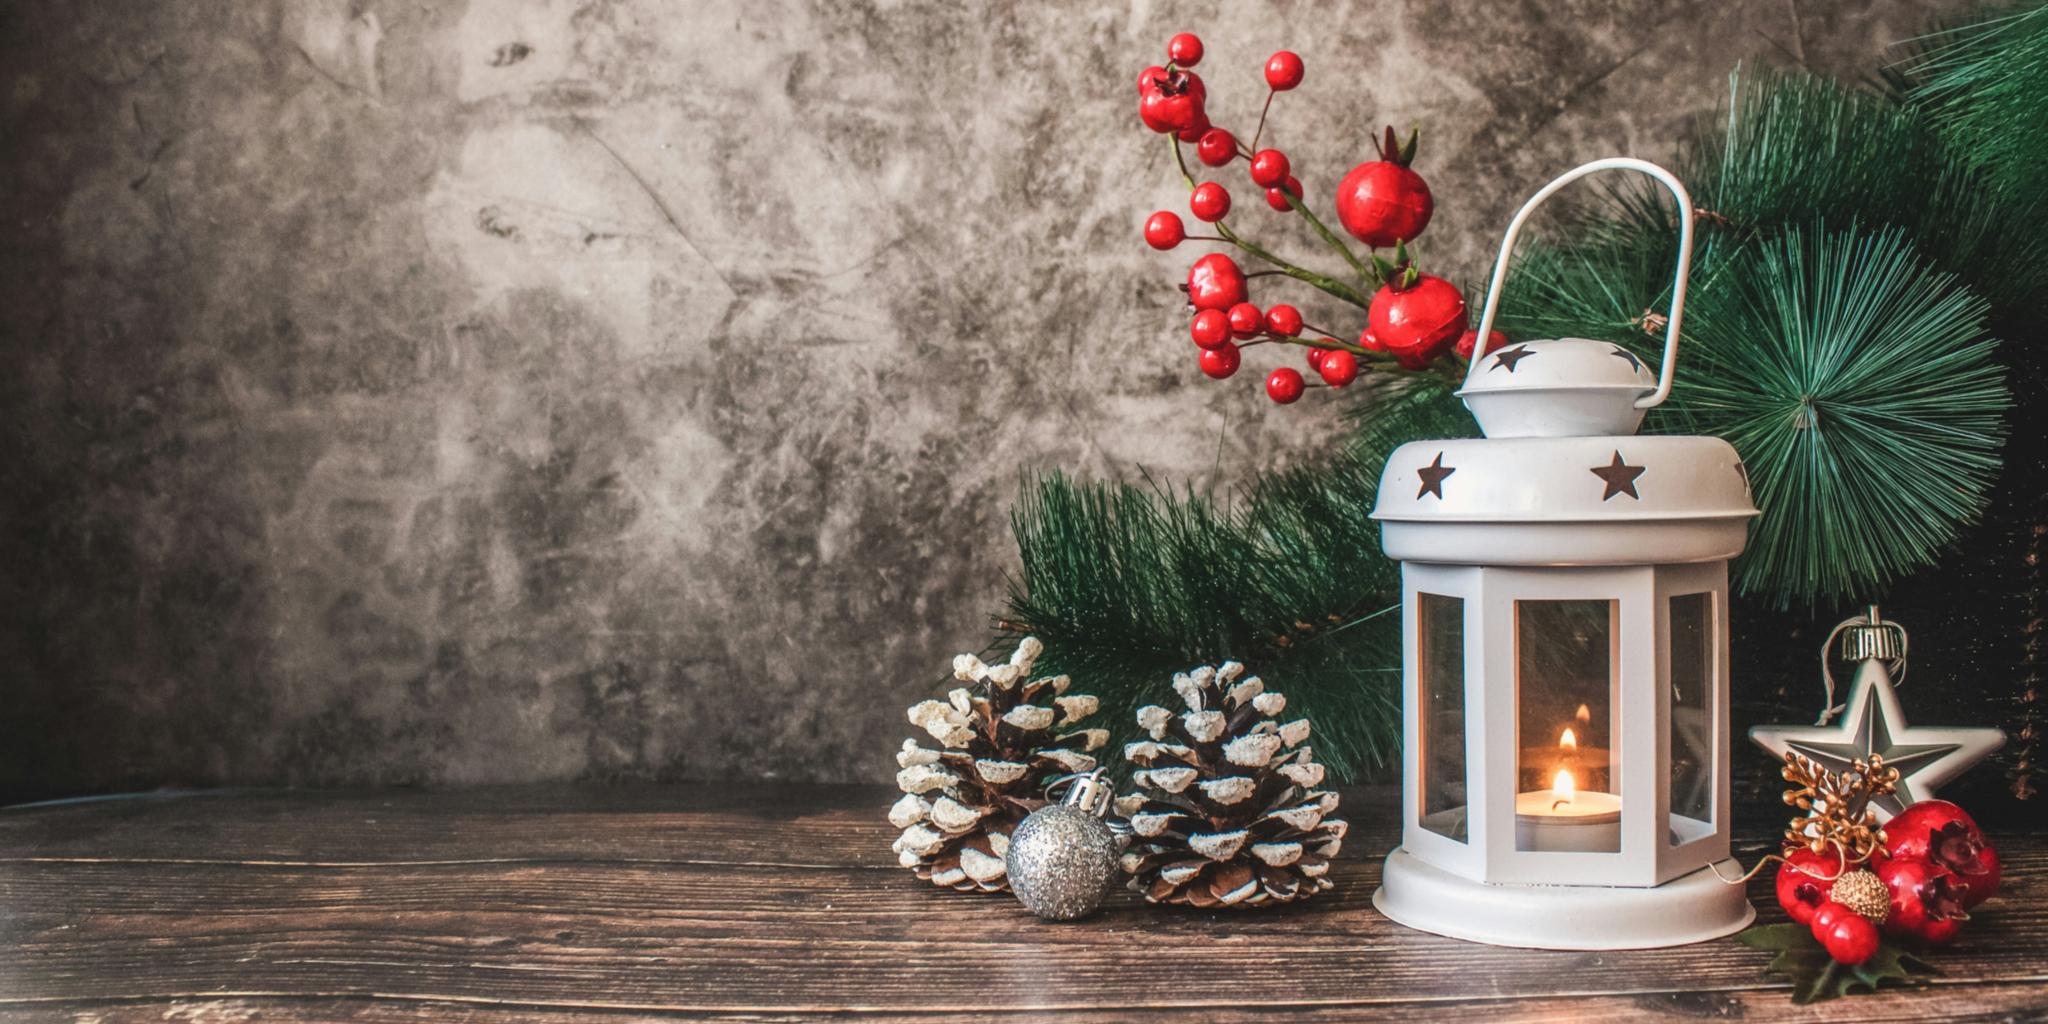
(1569, 741)
(1584, 714)
(1562, 784)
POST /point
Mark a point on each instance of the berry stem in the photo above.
(1327, 284)
(1261, 129)
(1365, 274)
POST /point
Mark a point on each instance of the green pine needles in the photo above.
(1128, 585)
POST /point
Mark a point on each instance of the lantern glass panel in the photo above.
(1440, 668)
(1567, 676)
(1692, 722)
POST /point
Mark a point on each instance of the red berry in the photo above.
(1382, 202)
(1194, 132)
(1269, 168)
(1246, 320)
(1210, 328)
(1848, 937)
(1215, 282)
(1277, 197)
(1150, 78)
(1315, 358)
(1494, 340)
(1338, 368)
(1217, 147)
(1370, 342)
(1945, 834)
(1804, 881)
(1283, 71)
(1284, 385)
(1927, 899)
(1184, 49)
(1221, 361)
(1163, 230)
(1209, 201)
(1284, 320)
(1419, 322)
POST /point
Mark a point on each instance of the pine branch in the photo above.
(1127, 585)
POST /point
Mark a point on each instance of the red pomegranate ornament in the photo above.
(1944, 834)
(1215, 282)
(1382, 202)
(1416, 316)
(1171, 101)
(1804, 883)
(1470, 339)
(1927, 900)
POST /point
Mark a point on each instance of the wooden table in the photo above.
(763, 903)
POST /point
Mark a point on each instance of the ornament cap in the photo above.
(1873, 637)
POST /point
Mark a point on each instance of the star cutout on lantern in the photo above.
(1873, 724)
(1508, 357)
(1433, 478)
(1620, 478)
(1633, 362)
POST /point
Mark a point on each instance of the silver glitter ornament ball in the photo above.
(1061, 862)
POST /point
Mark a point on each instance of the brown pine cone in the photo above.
(1227, 813)
(1000, 748)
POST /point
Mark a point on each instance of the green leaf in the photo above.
(1818, 977)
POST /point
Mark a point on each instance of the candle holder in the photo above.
(1564, 603)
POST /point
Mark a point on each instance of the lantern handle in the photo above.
(1507, 249)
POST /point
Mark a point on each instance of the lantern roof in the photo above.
(1609, 500)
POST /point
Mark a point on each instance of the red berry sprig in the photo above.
(1413, 320)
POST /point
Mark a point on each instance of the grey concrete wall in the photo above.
(442, 392)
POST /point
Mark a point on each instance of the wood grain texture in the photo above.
(778, 903)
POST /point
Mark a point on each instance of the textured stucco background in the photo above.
(442, 392)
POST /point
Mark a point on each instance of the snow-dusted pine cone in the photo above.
(1003, 740)
(1227, 811)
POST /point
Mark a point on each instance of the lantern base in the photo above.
(1691, 908)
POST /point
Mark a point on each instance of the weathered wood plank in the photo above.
(738, 938)
(1950, 1003)
(772, 903)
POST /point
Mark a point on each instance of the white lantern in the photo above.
(1565, 612)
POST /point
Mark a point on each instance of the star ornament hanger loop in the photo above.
(1873, 724)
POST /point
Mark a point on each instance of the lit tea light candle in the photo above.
(1563, 819)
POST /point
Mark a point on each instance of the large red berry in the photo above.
(1221, 361)
(1945, 834)
(1246, 320)
(1194, 132)
(1338, 368)
(1315, 358)
(1369, 341)
(1163, 230)
(1468, 340)
(1149, 78)
(1849, 938)
(1215, 282)
(1210, 328)
(1927, 899)
(1284, 385)
(1804, 881)
(1418, 322)
(1218, 147)
(1185, 49)
(1269, 168)
(1284, 320)
(1210, 202)
(1382, 201)
(1277, 197)
(1283, 71)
